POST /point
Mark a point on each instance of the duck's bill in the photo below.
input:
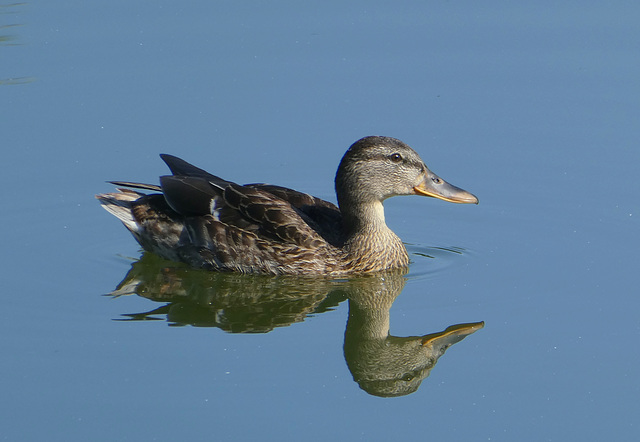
(451, 335)
(436, 187)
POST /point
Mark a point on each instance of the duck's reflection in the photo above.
(232, 302)
(383, 365)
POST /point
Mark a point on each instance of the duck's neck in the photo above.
(369, 243)
(363, 217)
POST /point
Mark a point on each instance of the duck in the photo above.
(210, 223)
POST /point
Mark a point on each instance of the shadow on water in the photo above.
(382, 364)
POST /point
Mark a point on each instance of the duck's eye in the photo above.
(395, 157)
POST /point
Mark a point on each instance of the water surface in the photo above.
(532, 107)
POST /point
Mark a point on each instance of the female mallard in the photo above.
(211, 223)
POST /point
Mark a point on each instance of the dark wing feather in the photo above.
(142, 186)
(324, 217)
(179, 166)
(274, 217)
(189, 196)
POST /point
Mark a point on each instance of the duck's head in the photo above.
(376, 168)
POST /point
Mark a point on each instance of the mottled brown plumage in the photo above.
(211, 223)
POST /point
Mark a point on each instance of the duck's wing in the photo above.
(324, 217)
(270, 212)
(299, 200)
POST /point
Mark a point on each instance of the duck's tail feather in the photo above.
(153, 187)
(119, 205)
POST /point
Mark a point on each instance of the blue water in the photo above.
(532, 107)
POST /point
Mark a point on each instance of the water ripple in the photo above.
(429, 261)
